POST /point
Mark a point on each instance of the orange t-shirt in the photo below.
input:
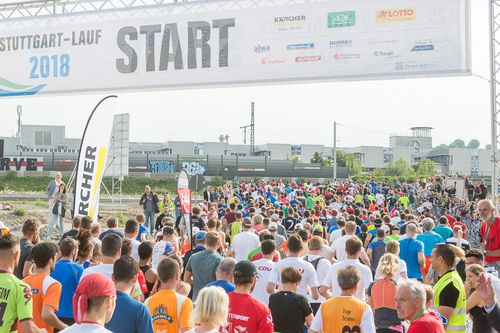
(46, 291)
(342, 314)
(170, 311)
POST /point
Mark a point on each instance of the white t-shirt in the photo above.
(107, 271)
(367, 322)
(336, 234)
(158, 250)
(322, 270)
(243, 243)
(264, 268)
(309, 276)
(85, 328)
(135, 249)
(338, 247)
(331, 282)
(401, 268)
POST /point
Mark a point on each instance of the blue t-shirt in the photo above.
(430, 240)
(130, 316)
(109, 232)
(227, 286)
(444, 231)
(409, 250)
(331, 222)
(68, 273)
(142, 230)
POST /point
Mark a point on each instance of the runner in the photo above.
(344, 313)
(16, 298)
(171, 312)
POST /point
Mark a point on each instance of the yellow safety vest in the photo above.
(456, 324)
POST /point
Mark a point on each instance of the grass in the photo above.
(40, 203)
(20, 212)
(130, 185)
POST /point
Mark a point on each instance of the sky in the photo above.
(367, 112)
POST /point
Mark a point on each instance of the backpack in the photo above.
(315, 262)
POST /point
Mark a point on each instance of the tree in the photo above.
(473, 144)
(441, 146)
(353, 164)
(426, 168)
(400, 168)
(458, 143)
(319, 159)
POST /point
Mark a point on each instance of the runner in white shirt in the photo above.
(244, 242)
(264, 268)
(165, 246)
(130, 232)
(330, 287)
(309, 276)
(320, 264)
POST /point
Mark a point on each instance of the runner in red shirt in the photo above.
(246, 314)
(410, 304)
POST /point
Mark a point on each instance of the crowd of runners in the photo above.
(260, 257)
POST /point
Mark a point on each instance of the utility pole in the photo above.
(334, 151)
(252, 132)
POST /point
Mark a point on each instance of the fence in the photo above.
(224, 166)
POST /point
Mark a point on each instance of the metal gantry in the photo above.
(494, 12)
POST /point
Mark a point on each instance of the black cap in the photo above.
(245, 269)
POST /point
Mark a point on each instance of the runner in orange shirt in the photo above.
(171, 311)
(45, 290)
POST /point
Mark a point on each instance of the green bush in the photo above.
(20, 212)
(40, 203)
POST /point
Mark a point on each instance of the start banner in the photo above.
(224, 43)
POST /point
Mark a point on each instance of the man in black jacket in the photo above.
(149, 202)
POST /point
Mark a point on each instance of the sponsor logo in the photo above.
(261, 48)
(300, 46)
(396, 15)
(292, 22)
(307, 58)
(373, 41)
(340, 44)
(385, 54)
(411, 66)
(345, 56)
(271, 61)
(341, 19)
(423, 45)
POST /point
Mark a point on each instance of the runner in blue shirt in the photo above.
(412, 252)
(129, 316)
(68, 273)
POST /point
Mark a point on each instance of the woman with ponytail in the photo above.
(382, 296)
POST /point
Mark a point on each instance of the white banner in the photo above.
(221, 43)
(92, 159)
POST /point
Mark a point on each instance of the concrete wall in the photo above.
(279, 151)
(181, 147)
(57, 135)
(215, 148)
(371, 157)
(460, 161)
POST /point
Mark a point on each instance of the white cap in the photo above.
(273, 226)
(275, 217)
(298, 226)
(385, 228)
(159, 234)
(2, 225)
(195, 230)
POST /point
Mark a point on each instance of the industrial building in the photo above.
(59, 152)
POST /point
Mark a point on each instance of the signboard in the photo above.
(184, 196)
(177, 46)
(92, 158)
(21, 164)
